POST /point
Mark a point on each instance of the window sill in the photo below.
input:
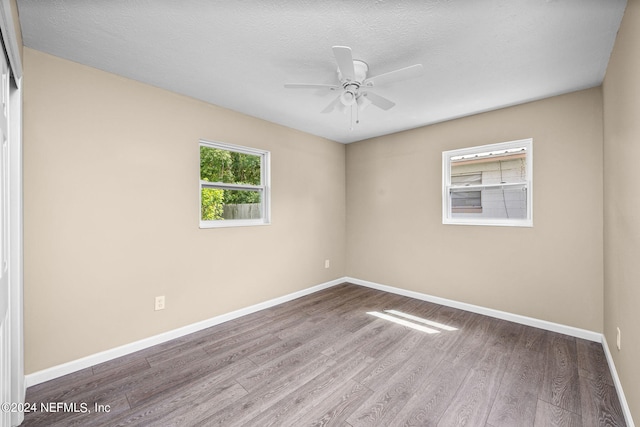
(233, 223)
(487, 222)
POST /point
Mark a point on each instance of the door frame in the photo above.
(11, 44)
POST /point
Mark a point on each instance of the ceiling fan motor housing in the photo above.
(360, 70)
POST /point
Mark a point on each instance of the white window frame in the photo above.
(264, 188)
(446, 184)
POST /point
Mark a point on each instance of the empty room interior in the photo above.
(332, 213)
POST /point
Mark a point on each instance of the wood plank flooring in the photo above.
(324, 360)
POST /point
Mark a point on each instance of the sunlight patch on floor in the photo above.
(422, 320)
(411, 321)
(403, 322)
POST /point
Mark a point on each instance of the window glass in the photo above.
(217, 165)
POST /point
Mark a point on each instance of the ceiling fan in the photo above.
(354, 84)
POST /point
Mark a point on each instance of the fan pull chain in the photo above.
(357, 121)
(351, 119)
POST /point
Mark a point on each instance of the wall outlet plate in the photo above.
(159, 303)
(618, 337)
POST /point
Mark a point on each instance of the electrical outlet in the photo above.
(327, 263)
(160, 303)
(618, 337)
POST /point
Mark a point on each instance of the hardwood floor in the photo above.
(325, 360)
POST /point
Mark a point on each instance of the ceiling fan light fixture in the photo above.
(348, 98)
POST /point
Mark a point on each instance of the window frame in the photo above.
(264, 188)
(528, 184)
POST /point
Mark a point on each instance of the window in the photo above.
(488, 185)
(234, 185)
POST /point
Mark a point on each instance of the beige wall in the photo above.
(111, 212)
(621, 93)
(553, 271)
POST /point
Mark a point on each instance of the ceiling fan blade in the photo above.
(331, 106)
(401, 74)
(310, 86)
(379, 101)
(345, 61)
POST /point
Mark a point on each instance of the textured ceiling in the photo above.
(478, 55)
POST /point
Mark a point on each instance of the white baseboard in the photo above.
(104, 356)
(524, 320)
(616, 381)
